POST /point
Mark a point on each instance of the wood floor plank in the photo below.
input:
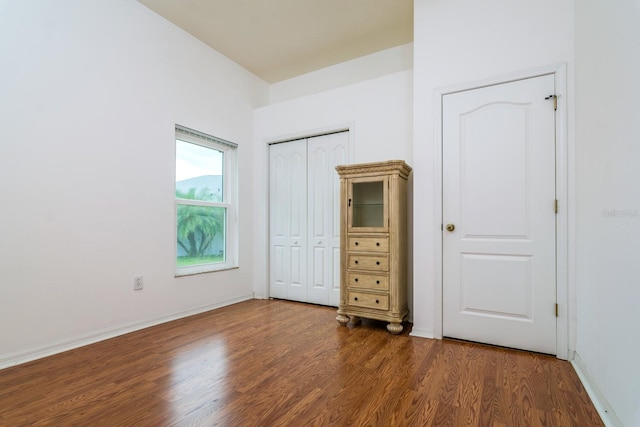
(279, 363)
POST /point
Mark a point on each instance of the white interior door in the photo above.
(304, 218)
(288, 220)
(499, 263)
(324, 154)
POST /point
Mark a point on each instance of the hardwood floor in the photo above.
(271, 363)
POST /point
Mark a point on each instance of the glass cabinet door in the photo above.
(368, 207)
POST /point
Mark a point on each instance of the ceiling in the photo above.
(281, 39)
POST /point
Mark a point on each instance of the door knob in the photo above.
(451, 227)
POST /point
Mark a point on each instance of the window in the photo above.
(205, 212)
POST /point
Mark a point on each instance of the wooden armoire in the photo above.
(373, 243)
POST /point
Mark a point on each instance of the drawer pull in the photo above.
(356, 279)
(377, 243)
(377, 301)
(356, 243)
(377, 281)
(355, 298)
(377, 262)
(356, 261)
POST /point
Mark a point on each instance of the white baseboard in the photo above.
(422, 333)
(7, 361)
(258, 295)
(606, 412)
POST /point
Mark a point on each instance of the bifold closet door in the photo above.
(304, 217)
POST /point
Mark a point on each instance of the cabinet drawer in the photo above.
(361, 299)
(368, 281)
(368, 244)
(369, 262)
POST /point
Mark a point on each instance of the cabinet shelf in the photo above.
(368, 215)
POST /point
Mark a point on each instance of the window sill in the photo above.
(195, 273)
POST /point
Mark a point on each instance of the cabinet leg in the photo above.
(342, 319)
(395, 328)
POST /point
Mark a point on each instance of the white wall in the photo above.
(378, 113)
(367, 67)
(608, 199)
(89, 96)
(458, 42)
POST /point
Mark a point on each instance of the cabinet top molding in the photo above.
(398, 166)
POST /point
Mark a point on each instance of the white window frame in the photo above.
(230, 201)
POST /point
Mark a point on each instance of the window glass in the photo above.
(199, 172)
(201, 235)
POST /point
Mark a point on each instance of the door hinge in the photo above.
(555, 206)
(555, 101)
(556, 309)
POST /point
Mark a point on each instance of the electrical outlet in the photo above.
(137, 283)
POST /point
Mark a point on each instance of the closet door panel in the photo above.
(324, 154)
(339, 156)
(288, 220)
(317, 197)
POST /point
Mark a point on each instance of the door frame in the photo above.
(565, 286)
